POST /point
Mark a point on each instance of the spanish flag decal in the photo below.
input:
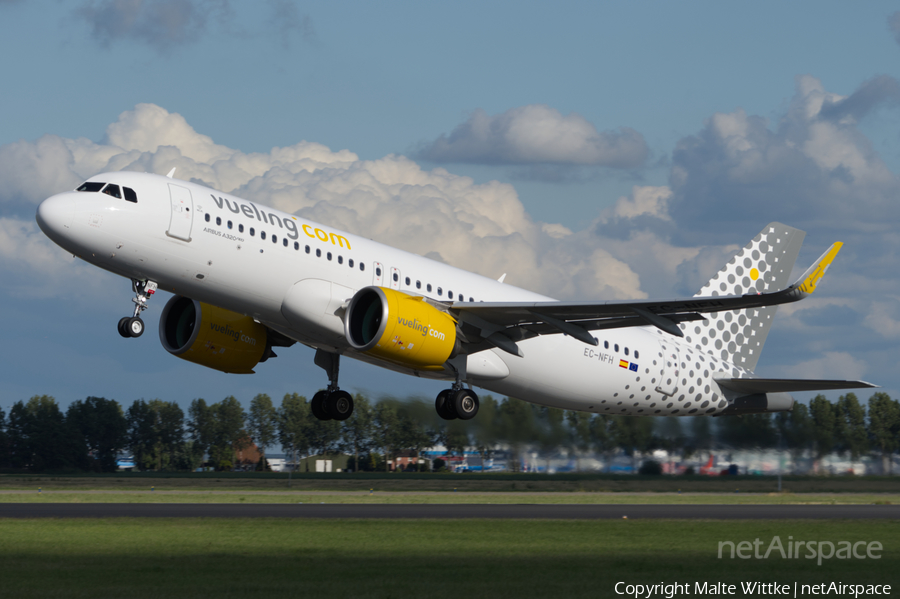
(623, 363)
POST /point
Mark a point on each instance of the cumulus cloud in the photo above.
(33, 267)
(482, 227)
(814, 162)
(812, 170)
(536, 134)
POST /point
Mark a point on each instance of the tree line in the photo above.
(37, 435)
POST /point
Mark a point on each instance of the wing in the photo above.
(502, 324)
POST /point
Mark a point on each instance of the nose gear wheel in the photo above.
(133, 326)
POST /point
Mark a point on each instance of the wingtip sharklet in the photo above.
(810, 279)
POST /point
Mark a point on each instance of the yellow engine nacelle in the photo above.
(212, 337)
(400, 328)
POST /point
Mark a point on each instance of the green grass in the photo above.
(165, 495)
(224, 558)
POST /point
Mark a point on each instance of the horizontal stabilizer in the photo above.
(788, 385)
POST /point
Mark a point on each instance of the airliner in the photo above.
(247, 279)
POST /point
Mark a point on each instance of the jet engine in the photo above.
(212, 336)
(400, 328)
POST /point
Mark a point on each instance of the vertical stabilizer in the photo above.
(764, 265)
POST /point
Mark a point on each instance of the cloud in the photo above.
(881, 319)
(831, 365)
(482, 227)
(167, 24)
(812, 170)
(288, 23)
(815, 162)
(158, 23)
(33, 267)
(536, 135)
(871, 94)
(894, 25)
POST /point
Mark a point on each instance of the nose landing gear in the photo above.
(133, 326)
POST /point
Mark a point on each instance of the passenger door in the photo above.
(182, 218)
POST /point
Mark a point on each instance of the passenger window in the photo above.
(274, 238)
(262, 234)
(440, 291)
(130, 196)
(296, 246)
(418, 284)
(340, 259)
(377, 272)
(616, 346)
(636, 354)
(112, 190)
(606, 345)
(91, 186)
(307, 249)
(284, 242)
(626, 351)
(428, 287)
(450, 295)
(471, 300)
(229, 224)
(362, 266)
(240, 228)
(218, 220)
(207, 217)
(328, 255)
(350, 262)
(396, 277)
(407, 281)
(252, 231)
(318, 253)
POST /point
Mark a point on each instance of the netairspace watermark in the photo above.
(820, 550)
(748, 589)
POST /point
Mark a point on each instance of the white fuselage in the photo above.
(294, 276)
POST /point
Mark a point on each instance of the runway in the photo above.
(505, 511)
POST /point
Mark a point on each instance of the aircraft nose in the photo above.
(55, 214)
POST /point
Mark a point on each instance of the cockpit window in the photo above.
(130, 196)
(91, 186)
(112, 190)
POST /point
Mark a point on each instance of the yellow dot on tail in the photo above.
(754, 274)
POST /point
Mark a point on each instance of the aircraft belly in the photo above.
(315, 308)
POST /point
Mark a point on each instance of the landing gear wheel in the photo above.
(317, 406)
(123, 327)
(339, 405)
(135, 327)
(444, 405)
(465, 404)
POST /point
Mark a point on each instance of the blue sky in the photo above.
(593, 150)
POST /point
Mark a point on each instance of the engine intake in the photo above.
(400, 328)
(212, 336)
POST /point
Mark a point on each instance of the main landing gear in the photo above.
(133, 326)
(456, 402)
(331, 403)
